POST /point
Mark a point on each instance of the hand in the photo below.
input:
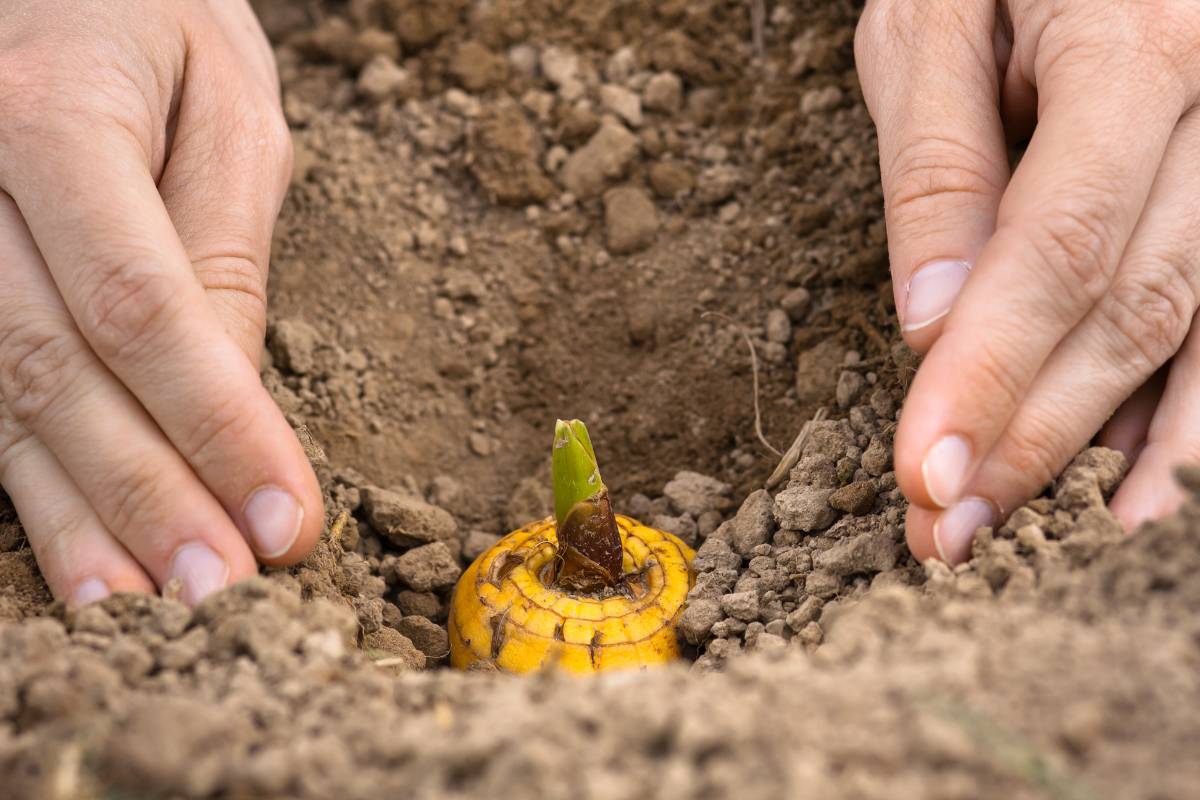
(1050, 298)
(143, 160)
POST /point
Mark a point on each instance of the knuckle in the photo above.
(280, 148)
(901, 25)
(62, 524)
(132, 498)
(23, 98)
(887, 23)
(44, 103)
(867, 34)
(1144, 44)
(237, 269)
(1079, 248)
(125, 306)
(240, 282)
(1151, 312)
(218, 432)
(34, 371)
(994, 377)
(13, 438)
(1033, 449)
(277, 136)
(925, 177)
(263, 136)
(1164, 31)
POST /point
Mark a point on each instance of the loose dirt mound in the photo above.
(506, 212)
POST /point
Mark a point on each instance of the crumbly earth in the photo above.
(509, 211)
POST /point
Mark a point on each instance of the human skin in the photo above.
(1054, 301)
(143, 158)
(143, 161)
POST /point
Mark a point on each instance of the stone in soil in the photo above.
(693, 493)
(605, 157)
(405, 520)
(850, 387)
(716, 553)
(622, 102)
(856, 498)
(778, 326)
(804, 508)
(428, 567)
(630, 220)
(741, 605)
(817, 371)
(423, 604)
(428, 637)
(754, 523)
(476, 543)
(382, 79)
(419, 23)
(663, 93)
(877, 458)
(796, 303)
(698, 619)
(869, 552)
(386, 643)
(477, 68)
(293, 344)
(505, 156)
(682, 526)
(531, 501)
(671, 179)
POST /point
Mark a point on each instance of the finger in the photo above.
(918, 533)
(1118, 347)
(1173, 439)
(931, 81)
(224, 184)
(1126, 430)
(80, 560)
(140, 488)
(1064, 221)
(128, 283)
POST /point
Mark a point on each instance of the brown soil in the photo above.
(511, 211)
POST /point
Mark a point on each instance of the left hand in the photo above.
(1049, 299)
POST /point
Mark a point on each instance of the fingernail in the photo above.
(273, 517)
(955, 529)
(931, 292)
(945, 469)
(90, 591)
(200, 569)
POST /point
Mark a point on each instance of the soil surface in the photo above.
(509, 211)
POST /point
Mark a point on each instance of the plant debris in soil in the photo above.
(479, 190)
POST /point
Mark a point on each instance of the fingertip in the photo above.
(918, 532)
(1150, 492)
(282, 526)
(920, 341)
(925, 300)
(955, 529)
(907, 461)
(1127, 514)
(105, 581)
(931, 468)
(274, 518)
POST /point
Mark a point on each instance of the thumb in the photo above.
(931, 81)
